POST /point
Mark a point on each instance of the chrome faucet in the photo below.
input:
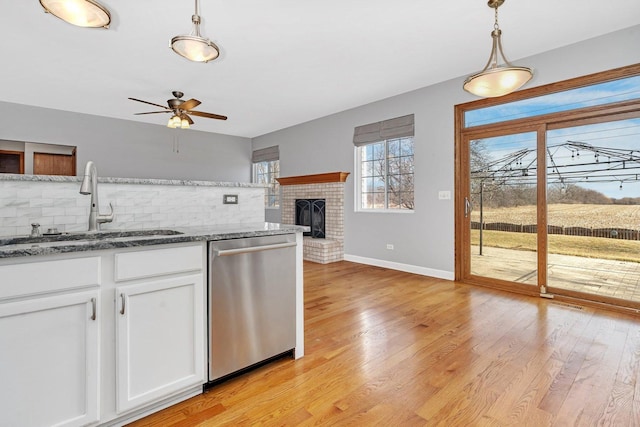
(90, 186)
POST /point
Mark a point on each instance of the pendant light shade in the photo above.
(82, 13)
(499, 77)
(193, 46)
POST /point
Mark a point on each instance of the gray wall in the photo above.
(128, 149)
(424, 240)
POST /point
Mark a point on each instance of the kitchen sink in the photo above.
(86, 235)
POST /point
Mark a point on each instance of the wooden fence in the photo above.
(611, 233)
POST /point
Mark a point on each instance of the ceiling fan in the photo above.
(181, 111)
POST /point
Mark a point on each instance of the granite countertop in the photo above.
(20, 246)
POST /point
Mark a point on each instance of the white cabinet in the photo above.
(159, 315)
(160, 339)
(102, 339)
(49, 344)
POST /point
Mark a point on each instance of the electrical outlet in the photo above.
(230, 199)
(389, 246)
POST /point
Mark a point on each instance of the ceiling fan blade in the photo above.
(188, 105)
(152, 112)
(150, 103)
(207, 115)
(188, 119)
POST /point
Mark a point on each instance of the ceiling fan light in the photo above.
(195, 48)
(172, 123)
(82, 13)
(184, 124)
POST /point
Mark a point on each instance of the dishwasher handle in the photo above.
(238, 251)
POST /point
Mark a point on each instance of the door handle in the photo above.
(93, 309)
(226, 252)
(122, 300)
(467, 207)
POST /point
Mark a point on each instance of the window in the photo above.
(607, 92)
(384, 165)
(266, 168)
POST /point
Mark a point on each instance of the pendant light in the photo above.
(498, 77)
(194, 47)
(83, 13)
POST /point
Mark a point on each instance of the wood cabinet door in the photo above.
(49, 361)
(54, 164)
(160, 339)
(11, 161)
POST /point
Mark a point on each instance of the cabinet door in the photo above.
(160, 339)
(49, 349)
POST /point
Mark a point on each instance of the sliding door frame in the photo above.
(539, 124)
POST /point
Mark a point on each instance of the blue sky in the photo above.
(612, 142)
(603, 93)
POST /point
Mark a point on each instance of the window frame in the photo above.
(272, 189)
(358, 207)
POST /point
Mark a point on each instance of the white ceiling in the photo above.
(282, 62)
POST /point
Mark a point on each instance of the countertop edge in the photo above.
(138, 181)
(198, 234)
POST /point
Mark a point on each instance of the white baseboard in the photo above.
(440, 274)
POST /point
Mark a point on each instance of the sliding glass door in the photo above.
(548, 190)
(593, 205)
(502, 207)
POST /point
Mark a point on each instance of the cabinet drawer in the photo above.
(157, 262)
(49, 276)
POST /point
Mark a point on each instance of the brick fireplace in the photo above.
(327, 186)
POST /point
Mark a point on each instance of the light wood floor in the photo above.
(395, 349)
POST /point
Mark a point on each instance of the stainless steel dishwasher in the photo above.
(252, 314)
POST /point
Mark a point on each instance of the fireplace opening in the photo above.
(310, 212)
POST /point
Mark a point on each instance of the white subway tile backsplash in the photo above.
(29, 212)
(61, 205)
(20, 221)
(76, 211)
(52, 211)
(65, 220)
(9, 231)
(29, 193)
(39, 203)
(70, 228)
(18, 203)
(8, 212)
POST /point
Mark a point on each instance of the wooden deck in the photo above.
(395, 349)
(616, 279)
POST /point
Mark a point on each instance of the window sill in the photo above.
(385, 211)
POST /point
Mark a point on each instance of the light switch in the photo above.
(444, 195)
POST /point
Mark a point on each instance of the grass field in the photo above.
(589, 247)
(574, 215)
